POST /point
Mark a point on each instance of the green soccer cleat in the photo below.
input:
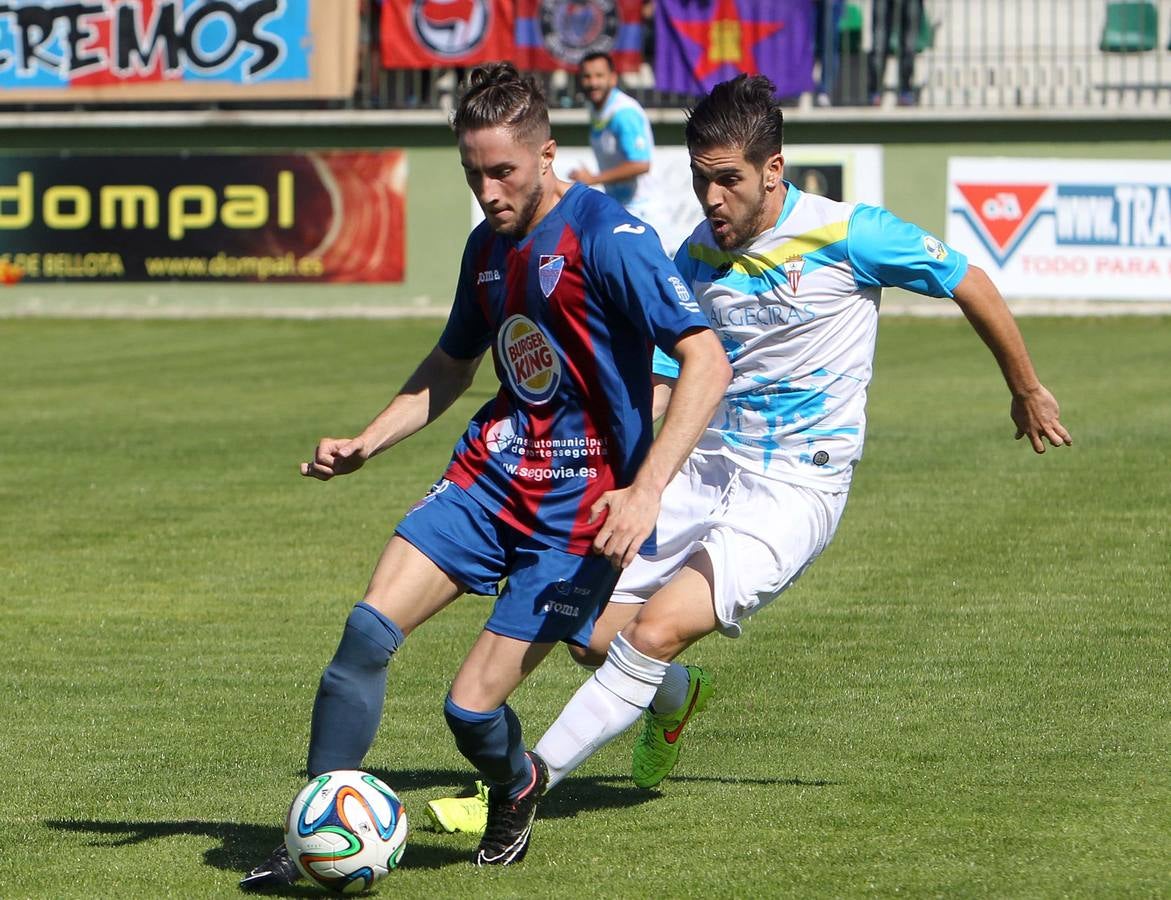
(463, 814)
(657, 748)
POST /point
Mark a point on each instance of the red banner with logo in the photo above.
(427, 34)
(556, 34)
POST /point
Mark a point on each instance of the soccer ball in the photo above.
(346, 830)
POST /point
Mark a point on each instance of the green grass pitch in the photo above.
(967, 696)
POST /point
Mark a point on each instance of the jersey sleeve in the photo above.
(889, 252)
(664, 365)
(631, 131)
(684, 263)
(628, 260)
(467, 333)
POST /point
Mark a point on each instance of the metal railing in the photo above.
(978, 56)
(975, 55)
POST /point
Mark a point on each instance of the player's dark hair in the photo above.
(498, 95)
(599, 54)
(741, 113)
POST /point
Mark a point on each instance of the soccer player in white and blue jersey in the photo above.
(620, 136)
(791, 283)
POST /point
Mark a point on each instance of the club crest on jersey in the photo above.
(550, 268)
(529, 360)
(793, 267)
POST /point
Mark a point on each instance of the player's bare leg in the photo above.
(614, 617)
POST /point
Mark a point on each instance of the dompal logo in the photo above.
(1002, 215)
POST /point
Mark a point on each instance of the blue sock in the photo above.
(491, 741)
(352, 690)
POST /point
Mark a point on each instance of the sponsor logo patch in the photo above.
(528, 360)
(500, 436)
(934, 247)
(561, 609)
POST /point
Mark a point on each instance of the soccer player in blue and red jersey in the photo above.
(555, 484)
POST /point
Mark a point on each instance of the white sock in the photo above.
(672, 693)
(605, 706)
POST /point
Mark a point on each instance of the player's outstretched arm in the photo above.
(438, 381)
(631, 512)
(1034, 409)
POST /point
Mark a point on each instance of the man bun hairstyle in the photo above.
(497, 95)
(741, 113)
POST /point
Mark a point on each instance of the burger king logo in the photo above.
(527, 356)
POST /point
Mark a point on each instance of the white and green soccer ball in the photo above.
(346, 830)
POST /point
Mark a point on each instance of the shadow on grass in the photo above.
(597, 793)
(242, 845)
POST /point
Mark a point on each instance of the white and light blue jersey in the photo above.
(621, 132)
(797, 312)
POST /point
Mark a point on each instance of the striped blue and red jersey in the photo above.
(571, 313)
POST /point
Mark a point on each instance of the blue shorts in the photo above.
(551, 595)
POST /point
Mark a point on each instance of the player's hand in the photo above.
(585, 176)
(628, 518)
(335, 456)
(1037, 415)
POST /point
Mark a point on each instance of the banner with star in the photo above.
(699, 43)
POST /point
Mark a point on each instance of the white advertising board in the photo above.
(1063, 228)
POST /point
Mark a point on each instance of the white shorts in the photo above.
(759, 533)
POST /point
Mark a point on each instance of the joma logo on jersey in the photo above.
(528, 359)
(488, 275)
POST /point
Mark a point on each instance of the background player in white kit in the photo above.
(791, 284)
(620, 135)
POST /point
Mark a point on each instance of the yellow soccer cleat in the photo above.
(460, 814)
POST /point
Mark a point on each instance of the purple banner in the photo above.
(699, 43)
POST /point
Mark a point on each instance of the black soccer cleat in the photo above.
(510, 822)
(277, 871)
